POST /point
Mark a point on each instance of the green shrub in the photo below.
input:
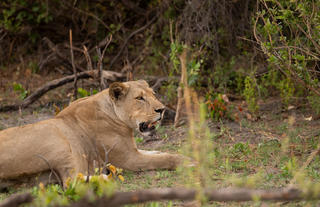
(17, 15)
(288, 34)
(18, 88)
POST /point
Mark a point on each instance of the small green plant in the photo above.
(286, 89)
(176, 49)
(250, 94)
(289, 168)
(193, 69)
(98, 185)
(84, 93)
(217, 107)
(314, 101)
(241, 148)
(18, 88)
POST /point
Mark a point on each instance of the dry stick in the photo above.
(75, 88)
(182, 89)
(100, 65)
(16, 200)
(109, 75)
(86, 54)
(129, 37)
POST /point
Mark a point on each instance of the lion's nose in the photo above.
(159, 110)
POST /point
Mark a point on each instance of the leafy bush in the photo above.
(288, 34)
(17, 15)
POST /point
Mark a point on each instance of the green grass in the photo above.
(263, 154)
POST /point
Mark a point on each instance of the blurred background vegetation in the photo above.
(248, 48)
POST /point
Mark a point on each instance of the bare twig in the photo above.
(181, 89)
(94, 16)
(106, 159)
(100, 65)
(129, 37)
(75, 88)
(54, 48)
(86, 54)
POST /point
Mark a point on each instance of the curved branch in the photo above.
(109, 75)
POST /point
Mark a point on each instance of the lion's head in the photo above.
(136, 105)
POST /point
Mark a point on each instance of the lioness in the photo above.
(78, 139)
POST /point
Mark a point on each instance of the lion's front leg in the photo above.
(151, 160)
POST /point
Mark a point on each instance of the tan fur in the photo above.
(75, 141)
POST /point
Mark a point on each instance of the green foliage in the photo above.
(84, 93)
(18, 88)
(289, 168)
(54, 195)
(250, 94)
(241, 148)
(175, 51)
(223, 75)
(139, 139)
(286, 89)
(16, 15)
(288, 33)
(193, 69)
(314, 101)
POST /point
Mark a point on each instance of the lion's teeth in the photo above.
(152, 124)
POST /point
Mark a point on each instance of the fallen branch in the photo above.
(222, 195)
(160, 194)
(16, 200)
(107, 75)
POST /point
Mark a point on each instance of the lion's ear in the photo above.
(143, 82)
(117, 90)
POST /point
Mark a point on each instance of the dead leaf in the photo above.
(290, 107)
(225, 98)
(308, 118)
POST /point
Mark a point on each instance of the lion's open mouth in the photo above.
(148, 126)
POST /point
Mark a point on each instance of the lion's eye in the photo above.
(140, 98)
